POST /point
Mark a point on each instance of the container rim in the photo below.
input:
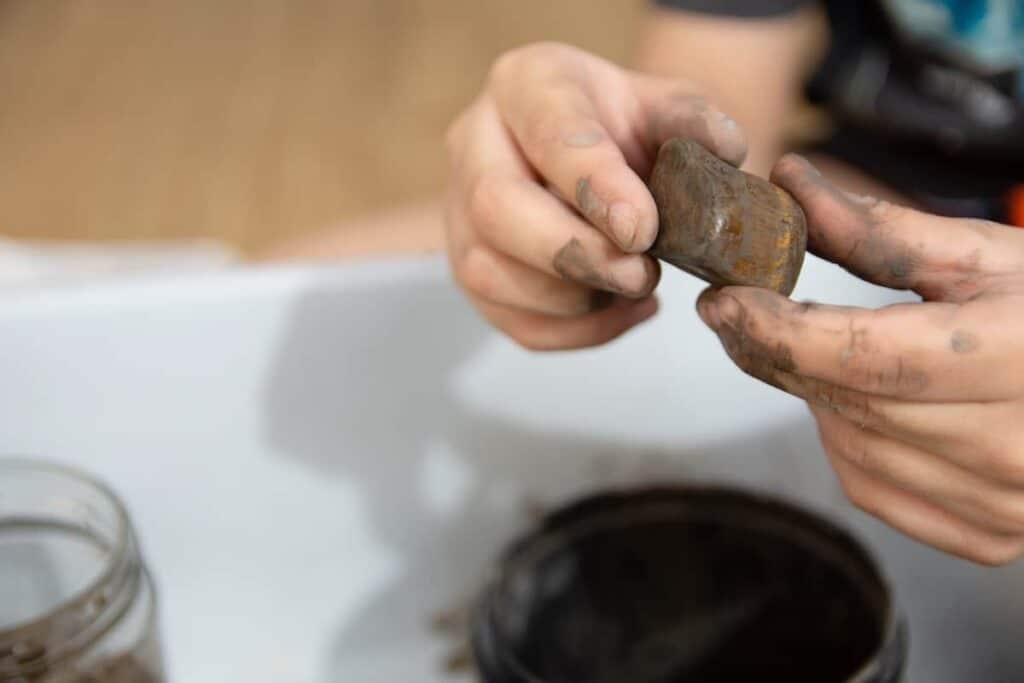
(122, 555)
(577, 518)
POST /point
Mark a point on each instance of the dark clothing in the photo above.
(928, 94)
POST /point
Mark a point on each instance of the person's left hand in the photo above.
(920, 406)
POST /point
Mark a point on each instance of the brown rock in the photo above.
(724, 225)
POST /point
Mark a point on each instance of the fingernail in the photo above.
(622, 218)
(726, 310)
(631, 276)
(708, 312)
(810, 168)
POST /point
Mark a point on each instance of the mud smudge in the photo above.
(755, 357)
(962, 341)
(572, 263)
(591, 206)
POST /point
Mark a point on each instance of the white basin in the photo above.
(321, 460)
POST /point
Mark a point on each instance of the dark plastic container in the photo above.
(674, 585)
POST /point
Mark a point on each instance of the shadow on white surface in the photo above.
(320, 460)
(443, 485)
(450, 463)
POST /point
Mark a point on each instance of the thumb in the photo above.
(942, 259)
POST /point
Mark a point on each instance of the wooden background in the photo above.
(247, 120)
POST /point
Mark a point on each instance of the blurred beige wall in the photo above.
(247, 120)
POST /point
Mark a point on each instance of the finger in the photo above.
(477, 144)
(980, 437)
(928, 352)
(505, 207)
(675, 109)
(545, 333)
(559, 131)
(518, 218)
(583, 130)
(923, 520)
(942, 259)
(982, 502)
(478, 141)
(498, 279)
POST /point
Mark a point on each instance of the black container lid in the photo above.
(672, 585)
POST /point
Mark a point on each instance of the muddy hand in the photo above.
(920, 406)
(547, 214)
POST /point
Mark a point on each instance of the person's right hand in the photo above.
(548, 215)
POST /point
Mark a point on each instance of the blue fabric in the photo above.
(928, 95)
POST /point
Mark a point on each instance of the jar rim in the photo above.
(748, 507)
(113, 569)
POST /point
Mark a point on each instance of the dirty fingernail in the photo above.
(623, 220)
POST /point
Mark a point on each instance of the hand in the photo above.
(920, 406)
(548, 217)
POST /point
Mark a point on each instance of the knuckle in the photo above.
(830, 396)
(1006, 462)
(459, 134)
(690, 103)
(862, 455)
(861, 409)
(790, 165)
(869, 372)
(541, 133)
(506, 64)
(829, 440)
(531, 340)
(475, 272)
(1007, 509)
(572, 300)
(992, 552)
(526, 333)
(858, 492)
(683, 110)
(543, 54)
(853, 448)
(454, 135)
(550, 51)
(483, 200)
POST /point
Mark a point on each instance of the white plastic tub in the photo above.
(322, 460)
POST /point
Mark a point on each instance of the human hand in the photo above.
(920, 406)
(548, 216)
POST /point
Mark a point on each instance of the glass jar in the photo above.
(77, 604)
